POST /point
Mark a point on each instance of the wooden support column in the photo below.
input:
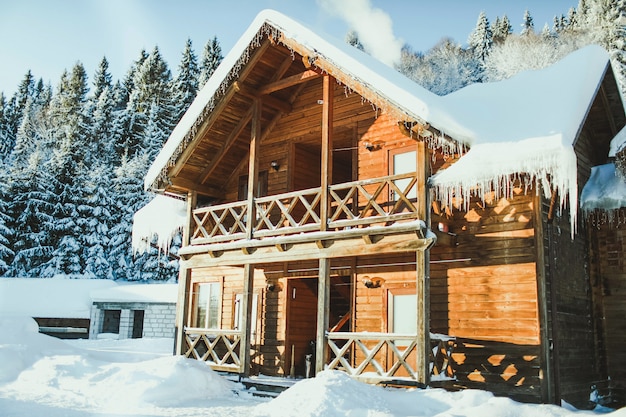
(184, 280)
(422, 263)
(327, 149)
(547, 370)
(323, 310)
(246, 315)
(253, 166)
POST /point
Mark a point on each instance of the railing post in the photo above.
(327, 150)
(323, 310)
(246, 316)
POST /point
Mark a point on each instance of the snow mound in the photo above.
(20, 345)
(335, 394)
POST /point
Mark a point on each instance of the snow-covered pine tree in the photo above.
(6, 254)
(501, 29)
(102, 79)
(7, 138)
(480, 42)
(528, 27)
(96, 220)
(211, 58)
(481, 38)
(28, 210)
(66, 166)
(186, 81)
(127, 199)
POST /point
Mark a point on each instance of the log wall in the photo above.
(608, 277)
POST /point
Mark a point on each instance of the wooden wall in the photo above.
(608, 277)
(484, 292)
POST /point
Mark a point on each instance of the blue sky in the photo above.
(48, 36)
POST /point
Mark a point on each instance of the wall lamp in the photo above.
(372, 146)
(275, 165)
(374, 282)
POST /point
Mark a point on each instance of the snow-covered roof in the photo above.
(59, 297)
(535, 115)
(163, 216)
(605, 190)
(137, 293)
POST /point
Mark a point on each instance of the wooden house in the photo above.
(342, 217)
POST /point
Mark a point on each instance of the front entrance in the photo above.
(301, 326)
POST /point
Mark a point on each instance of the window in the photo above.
(207, 305)
(403, 161)
(238, 317)
(402, 312)
(111, 321)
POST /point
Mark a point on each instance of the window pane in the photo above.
(213, 305)
(201, 305)
(403, 163)
(404, 313)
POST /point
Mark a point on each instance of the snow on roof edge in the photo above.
(163, 216)
(604, 190)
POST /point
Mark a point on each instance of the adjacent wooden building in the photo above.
(316, 240)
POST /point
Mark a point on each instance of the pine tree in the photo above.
(95, 222)
(6, 254)
(528, 26)
(481, 39)
(28, 210)
(102, 79)
(501, 29)
(7, 138)
(67, 165)
(211, 58)
(128, 197)
(186, 82)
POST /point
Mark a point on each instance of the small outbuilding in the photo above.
(133, 311)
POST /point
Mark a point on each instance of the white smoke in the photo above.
(373, 26)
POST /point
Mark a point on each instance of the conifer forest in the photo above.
(73, 155)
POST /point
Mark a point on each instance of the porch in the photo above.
(385, 358)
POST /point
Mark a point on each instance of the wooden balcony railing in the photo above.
(376, 357)
(219, 347)
(358, 204)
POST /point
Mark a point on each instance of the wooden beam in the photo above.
(268, 100)
(188, 185)
(230, 141)
(402, 243)
(607, 109)
(327, 148)
(547, 370)
(290, 81)
(323, 311)
(246, 317)
(422, 266)
(253, 165)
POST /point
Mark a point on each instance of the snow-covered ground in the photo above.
(44, 376)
